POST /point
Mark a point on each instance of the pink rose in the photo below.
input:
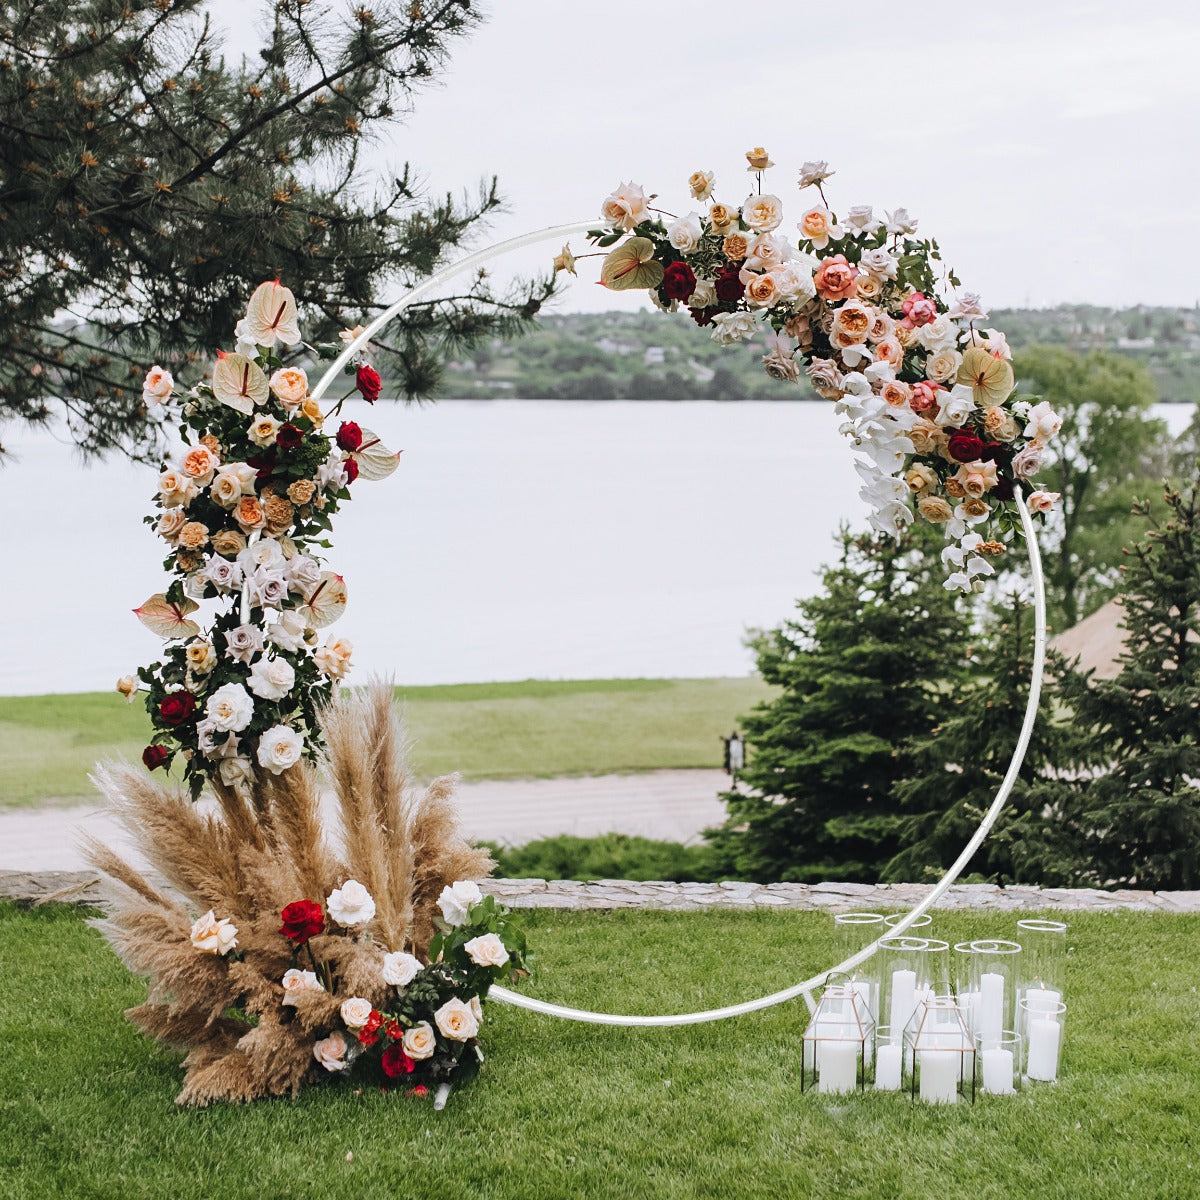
(835, 278)
(1042, 502)
(924, 397)
(918, 310)
(1028, 461)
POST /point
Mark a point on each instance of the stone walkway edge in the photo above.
(609, 894)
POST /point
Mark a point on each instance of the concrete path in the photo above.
(674, 805)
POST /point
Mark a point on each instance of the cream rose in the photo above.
(626, 207)
(704, 295)
(290, 385)
(230, 708)
(700, 184)
(1042, 423)
(939, 334)
(213, 936)
(400, 969)
(170, 523)
(999, 423)
(351, 904)
(723, 219)
(920, 479)
(175, 489)
(943, 365)
(271, 678)
(685, 233)
(456, 1021)
(419, 1042)
(158, 385)
(201, 656)
(817, 226)
(763, 213)
(263, 430)
(728, 328)
(279, 748)
(296, 981)
(333, 658)
(487, 950)
(457, 899)
(935, 509)
(234, 772)
(231, 483)
(330, 1052)
(356, 1012)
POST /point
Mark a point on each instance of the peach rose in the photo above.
(952, 485)
(974, 507)
(626, 207)
(228, 543)
(835, 278)
(1000, 424)
(175, 489)
(723, 218)
(895, 392)
(312, 410)
(301, 492)
(926, 437)
(199, 464)
(890, 351)
(193, 535)
(882, 327)
(761, 290)
(158, 385)
(817, 226)
(290, 385)
(170, 524)
(1042, 502)
(977, 477)
(736, 245)
(249, 514)
(934, 509)
(854, 320)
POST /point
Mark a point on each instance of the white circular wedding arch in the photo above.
(805, 987)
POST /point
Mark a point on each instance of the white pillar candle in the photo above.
(939, 1076)
(887, 1069)
(968, 1002)
(989, 1012)
(998, 1071)
(1045, 1038)
(1042, 999)
(837, 1066)
(904, 1001)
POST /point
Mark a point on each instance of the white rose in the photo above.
(487, 950)
(333, 658)
(967, 307)
(224, 575)
(243, 643)
(279, 748)
(271, 678)
(303, 572)
(158, 385)
(330, 1052)
(356, 1012)
(704, 295)
(212, 936)
(296, 981)
(879, 262)
(175, 489)
(231, 483)
(626, 207)
(351, 904)
(685, 233)
(400, 969)
(457, 899)
(943, 365)
(861, 220)
(268, 587)
(331, 474)
(235, 771)
(456, 1021)
(288, 632)
(1042, 423)
(955, 405)
(215, 744)
(763, 213)
(728, 328)
(263, 429)
(230, 708)
(940, 334)
(794, 280)
(419, 1041)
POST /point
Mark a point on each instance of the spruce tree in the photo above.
(148, 184)
(960, 765)
(862, 671)
(1134, 801)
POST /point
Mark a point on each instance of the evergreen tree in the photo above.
(959, 767)
(862, 670)
(1134, 801)
(147, 185)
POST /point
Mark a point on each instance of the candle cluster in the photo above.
(987, 1015)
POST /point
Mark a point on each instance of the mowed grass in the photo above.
(563, 1110)
(48, 744)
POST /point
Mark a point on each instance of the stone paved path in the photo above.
(674, 805)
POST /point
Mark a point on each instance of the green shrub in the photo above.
(610, 856)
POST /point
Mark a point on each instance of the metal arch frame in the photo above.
(806, 987)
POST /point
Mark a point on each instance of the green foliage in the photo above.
(1108, 448)
(862, 671)
(564, 1109)
(1133, 802)
(609, 856)
(958, 768)
(148, 184)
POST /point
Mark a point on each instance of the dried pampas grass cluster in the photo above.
(262, 848)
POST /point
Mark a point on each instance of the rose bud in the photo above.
(368, 383)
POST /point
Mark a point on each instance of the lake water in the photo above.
(519, 539)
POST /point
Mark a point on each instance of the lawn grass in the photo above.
(565, 1110)
(536, 728)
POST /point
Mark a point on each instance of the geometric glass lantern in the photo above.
(941, 1051)
(838, 1041)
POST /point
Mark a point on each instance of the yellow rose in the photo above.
(935, 509)
(920, 479)
(723, 218)
(312, 410)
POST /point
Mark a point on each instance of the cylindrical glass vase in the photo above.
(853, 931)
(997, 967)
(1044, 1028)
(1045, 958)
(1001, 1064)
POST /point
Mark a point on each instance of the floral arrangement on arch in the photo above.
(245, 506)
(853, 305)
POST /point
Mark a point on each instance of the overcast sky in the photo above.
(1050, 147)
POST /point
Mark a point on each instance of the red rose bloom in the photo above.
(367, 1037)
(729, 288)
(965, 447)
(396, 1063)
(702, 316)
(349, 436)
(289, 436)
(679, 281)
(302, 919)
(394, 1030)
(177, 707)
(368, 383)
(351, 465)
(155, 756)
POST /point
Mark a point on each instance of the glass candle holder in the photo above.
(997, 968)
(1000, 1064)
(853, 931)
(837, 1041)
(918, 927)
(1045, 958)
(941, 1052)
(965, 972)
(899, 968)
(1043, 1038)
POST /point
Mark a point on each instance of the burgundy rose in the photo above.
(302, 919)
(349, 436)
(679, 281)
(351, 465)
(965, 447)
(155, 756)
(177, 707)
(702, 316)
(1003, 489)
(396, 1063)
(368, 383)
(289, 436)
(729, 288)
